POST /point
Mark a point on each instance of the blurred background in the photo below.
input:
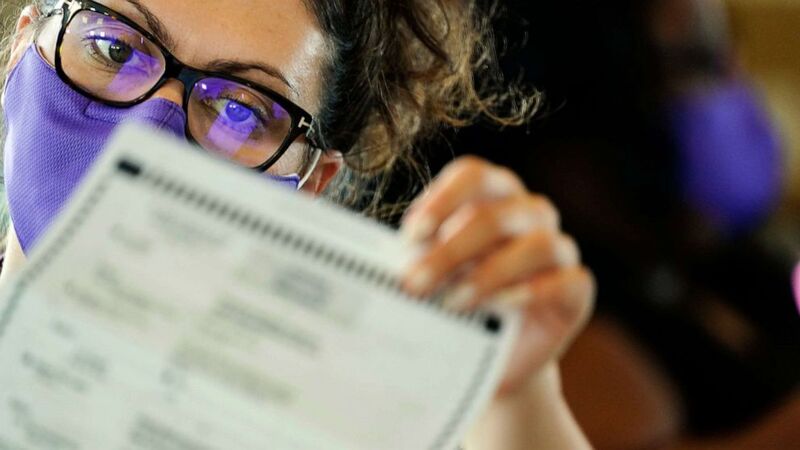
(671, 142)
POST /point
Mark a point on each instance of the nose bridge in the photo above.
(172, 91)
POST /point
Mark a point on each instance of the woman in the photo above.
(298, 90)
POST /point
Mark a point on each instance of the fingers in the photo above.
(558, 305)
(490, 241)
(473, 231)
(467, 180)
(520, 259)
(559, 298)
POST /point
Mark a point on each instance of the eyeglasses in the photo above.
(112, 60)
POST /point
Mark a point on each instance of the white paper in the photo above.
(147, 319)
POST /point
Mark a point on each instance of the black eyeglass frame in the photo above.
(302, 122)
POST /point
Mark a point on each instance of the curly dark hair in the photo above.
(400, 71)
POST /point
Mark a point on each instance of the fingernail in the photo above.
(420, 280)
(459, 299)
(419, 229)
(519, 223)
(566, 254)
(499, 184)
(514, 297)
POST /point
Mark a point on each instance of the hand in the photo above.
(491, 241)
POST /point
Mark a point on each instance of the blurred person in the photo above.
(729, 154)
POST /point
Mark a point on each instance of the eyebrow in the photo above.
(219, 65)
(232, 66)
(155, 24)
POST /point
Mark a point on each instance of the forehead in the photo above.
(278, 33)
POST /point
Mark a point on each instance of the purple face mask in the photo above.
(730, 156)
(53, 136)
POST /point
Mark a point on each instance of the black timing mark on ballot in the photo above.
(493, 324)
(129, 168)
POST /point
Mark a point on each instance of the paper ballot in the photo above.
(183, 303)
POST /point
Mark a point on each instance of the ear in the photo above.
(330, 163)
(19, 44)
(22, 35)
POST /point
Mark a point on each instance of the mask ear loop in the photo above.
(311, 167)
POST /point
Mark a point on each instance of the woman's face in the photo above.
(274, 43)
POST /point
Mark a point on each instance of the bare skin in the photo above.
(474, 214)
(625, 402)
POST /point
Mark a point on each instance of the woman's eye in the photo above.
(115, 50)
(237, 115)
(237, 112)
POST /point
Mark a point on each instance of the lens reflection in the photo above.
(237, 122)
(110, 59)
